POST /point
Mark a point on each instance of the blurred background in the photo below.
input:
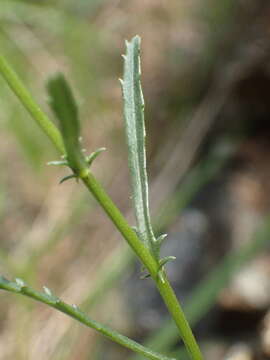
(206, 81)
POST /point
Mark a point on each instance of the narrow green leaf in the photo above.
(65, 109)
(135, 134)
(68, 177)
(58, 163)
(94, 155)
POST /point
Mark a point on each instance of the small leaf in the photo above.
(47, 291)
(65, 108)
(157, 245)
(50, 296)
(72, 176)
(58, 163)
(94, 155)
(166, 259)
(145, 276)
(160, 239)
(20, 282)
(135, 134)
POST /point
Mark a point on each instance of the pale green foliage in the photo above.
(135, 135)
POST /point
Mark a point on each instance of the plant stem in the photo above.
(74, 312)
(180, 320)
(34, 110)
(148, 261)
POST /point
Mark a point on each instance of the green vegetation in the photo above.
(65, 108)
(56, 235)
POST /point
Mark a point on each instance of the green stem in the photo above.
(112, 211)
(180, 320)
(34, 110)
(74, 312)
(148, 261)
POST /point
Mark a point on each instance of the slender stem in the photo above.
(74, 312)
(180, 320)
(34, 110)
(112, 211)
(148, 261)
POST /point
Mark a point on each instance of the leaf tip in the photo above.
(65, 178)
(137, 39)
(166, 259)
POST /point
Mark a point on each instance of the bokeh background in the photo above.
(206, 81)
